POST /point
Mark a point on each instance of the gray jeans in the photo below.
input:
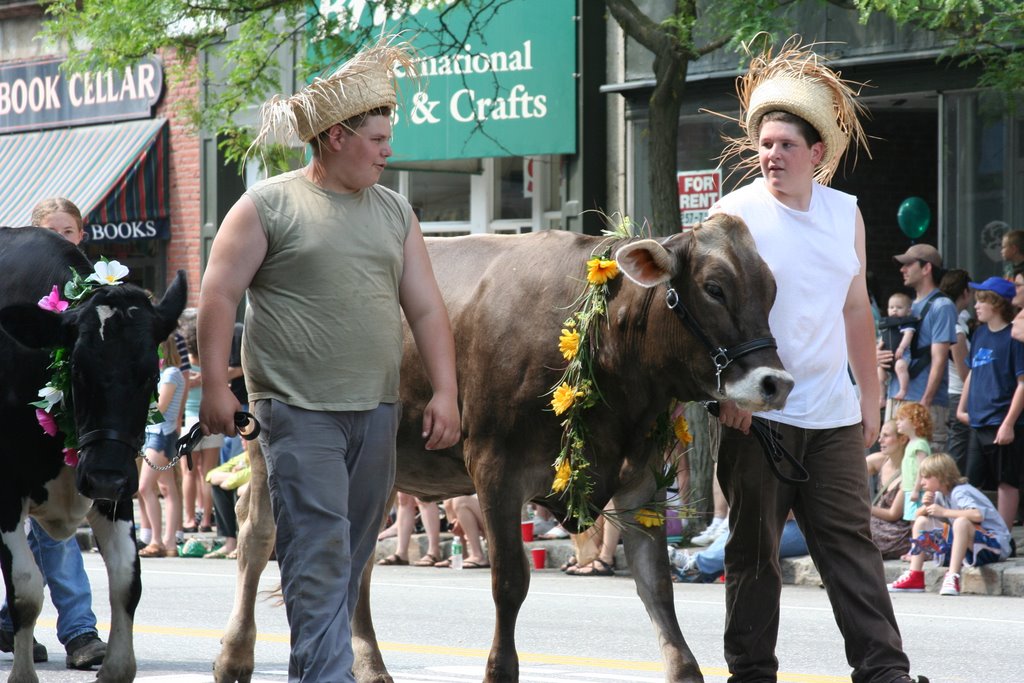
(330, 474)
(833, 513)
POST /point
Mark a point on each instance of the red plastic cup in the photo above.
(527, 528)
(540, 557)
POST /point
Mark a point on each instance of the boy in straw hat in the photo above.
(329, 261)
(799, 117)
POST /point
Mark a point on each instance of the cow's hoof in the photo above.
(224, 674)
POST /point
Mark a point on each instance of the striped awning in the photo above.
(116, 174)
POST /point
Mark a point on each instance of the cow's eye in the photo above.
(714, 291)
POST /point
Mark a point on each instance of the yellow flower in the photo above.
(649, 518)
(562, 476)
(600, 271)
(682, 429)
(569, 343)
(564, 397)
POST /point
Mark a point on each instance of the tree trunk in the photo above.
(702, 466)
(663, 135)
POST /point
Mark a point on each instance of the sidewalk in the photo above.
(1002, 578)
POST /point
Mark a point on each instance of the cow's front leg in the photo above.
(256, 535)
(648, 563)
(369, 664)
(510, 574)
(114, 526)
(24, 585)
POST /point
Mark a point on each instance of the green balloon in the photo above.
(914, 217)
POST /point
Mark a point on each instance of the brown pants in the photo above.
(833, 513)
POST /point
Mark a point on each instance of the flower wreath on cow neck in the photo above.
(54, 409)
(577, 390)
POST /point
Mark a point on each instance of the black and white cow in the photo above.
(111, 337)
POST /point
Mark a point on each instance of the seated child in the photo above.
(897, 334)
(957, 525)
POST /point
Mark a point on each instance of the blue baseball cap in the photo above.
(1003, 288)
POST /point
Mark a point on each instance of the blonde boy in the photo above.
(957, 525)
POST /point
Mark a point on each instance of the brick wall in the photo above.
(904, 162)
(185, 186)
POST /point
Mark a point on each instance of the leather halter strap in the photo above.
(89, 438)
(721, 357)
(771, 445)
(242, 419)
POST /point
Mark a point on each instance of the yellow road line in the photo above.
(471, 653)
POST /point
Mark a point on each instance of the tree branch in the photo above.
(637, 25)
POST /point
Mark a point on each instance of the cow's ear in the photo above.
(170, 307)
(35, 328)
(645, 262)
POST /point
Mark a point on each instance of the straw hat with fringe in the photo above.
(363, 83)
(796, 81)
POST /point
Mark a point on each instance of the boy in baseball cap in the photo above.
(992, 397)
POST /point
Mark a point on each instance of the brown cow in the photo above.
(507, 297)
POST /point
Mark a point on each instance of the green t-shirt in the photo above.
(910, 465)
(323, 324)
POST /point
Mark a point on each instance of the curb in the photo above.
(1001, 578)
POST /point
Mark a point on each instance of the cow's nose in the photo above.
(775, 388)
(104, 475)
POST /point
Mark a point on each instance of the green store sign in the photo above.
(508, 90)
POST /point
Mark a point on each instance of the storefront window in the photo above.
(983, 179)
(514, 187)
(440, 196)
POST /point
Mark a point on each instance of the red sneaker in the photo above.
(910, 582)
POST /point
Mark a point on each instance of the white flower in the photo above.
(51, 396)
(108, 273)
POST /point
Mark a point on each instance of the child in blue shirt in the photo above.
(992, 402)
(957, 525)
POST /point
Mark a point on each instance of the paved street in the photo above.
(435, 625)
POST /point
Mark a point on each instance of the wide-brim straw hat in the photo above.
(796, 81)
(363, 83)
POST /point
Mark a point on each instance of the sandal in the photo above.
(427, 560)
(233, 555)
(444, 564)
(569, 564)
(218, 554)
(153, 550)
(596, 568)
(393, 559)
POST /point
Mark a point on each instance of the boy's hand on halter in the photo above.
(217, 411)
(732, 416)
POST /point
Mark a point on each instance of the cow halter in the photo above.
(91, 437)
(721, 357)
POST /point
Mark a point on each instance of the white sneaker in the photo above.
(542, 526)
(714, 530)
(682, 561)
(950, 584)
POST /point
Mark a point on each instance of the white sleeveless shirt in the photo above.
(813, 257)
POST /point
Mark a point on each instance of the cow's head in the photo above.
(112, 336)
(723, 294)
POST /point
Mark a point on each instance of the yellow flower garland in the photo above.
(576, 391)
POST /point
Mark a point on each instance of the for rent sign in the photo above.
(37, 95)
(698, 190)
(507, 88)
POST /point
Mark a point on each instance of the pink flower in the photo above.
(53, 302)
(71, 457)
(47, 422)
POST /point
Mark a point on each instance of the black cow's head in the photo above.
(724, 292)
(112, 336)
